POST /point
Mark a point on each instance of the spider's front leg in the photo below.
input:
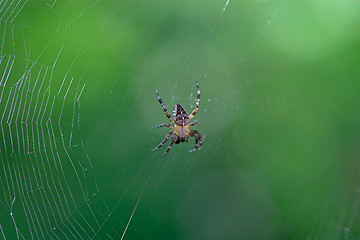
(174, 139)
(165, 139)
(198, 141)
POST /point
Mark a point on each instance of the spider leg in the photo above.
(164, 108)
(198, 141)
(169, 147)
(164, 125)
(165, 139)
(193, 123)
(197, 102)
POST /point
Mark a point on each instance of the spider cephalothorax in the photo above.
(180, 129)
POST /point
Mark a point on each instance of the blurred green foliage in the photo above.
(279, 106)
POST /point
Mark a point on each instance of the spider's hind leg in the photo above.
(197, 102)
(193, 123)
(164, 125)
(164, 108)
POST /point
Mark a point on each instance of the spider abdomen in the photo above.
(180, 116)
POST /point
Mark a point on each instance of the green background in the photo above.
(280, 88)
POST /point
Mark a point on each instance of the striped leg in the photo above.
(197, 102)
(169, 147)
(163, 141)
(197, 136)
(164, 108)
(193, 123)
(164, 125)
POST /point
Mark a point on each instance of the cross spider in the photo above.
(180, 130)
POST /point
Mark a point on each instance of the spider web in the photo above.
(47, 178)
(78, 107)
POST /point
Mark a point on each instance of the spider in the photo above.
(180, 129)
